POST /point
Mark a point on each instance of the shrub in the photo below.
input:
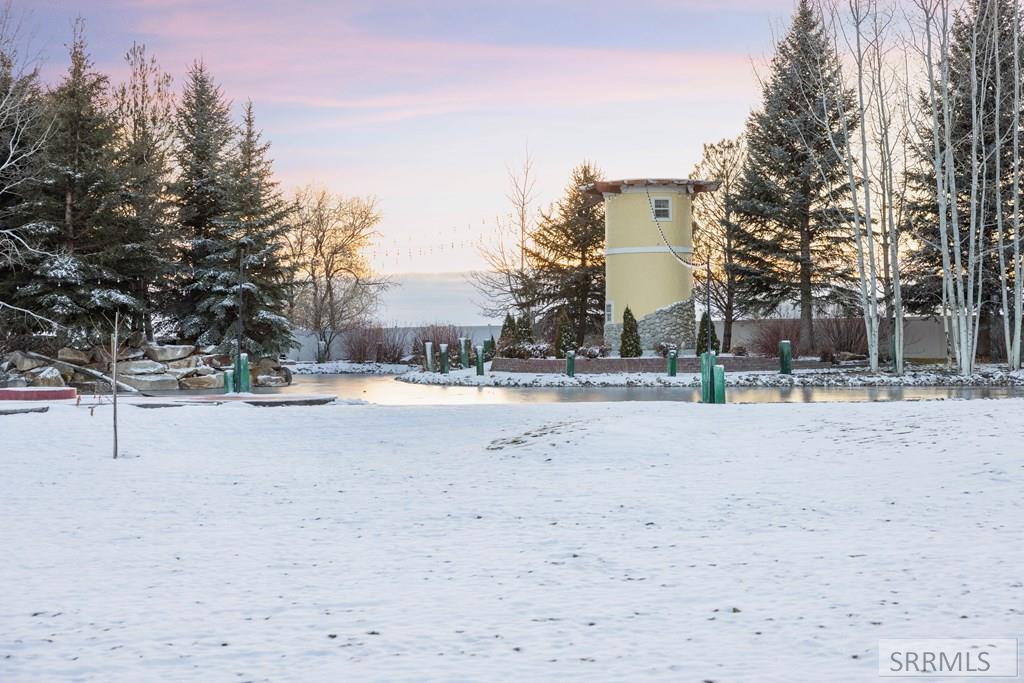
(526, 350)
(842, 335)
(524, 329)
(508, 330)
(629, 344)
(739, 351)
(376, 343)
(565, 335)
(593, 351)
(702, 336)
(438, 333)
(771, 332)
(662, 348)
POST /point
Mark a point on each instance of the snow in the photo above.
(554, 542)
(345, 367)
(926, 376)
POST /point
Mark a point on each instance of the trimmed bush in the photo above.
(565, 335)
(702, 336)
(524, 330)
(629, 343)
(771, 332)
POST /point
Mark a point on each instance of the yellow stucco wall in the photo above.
(646, 280)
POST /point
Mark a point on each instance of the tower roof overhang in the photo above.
(687, 185)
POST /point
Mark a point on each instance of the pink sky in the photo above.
(424, 104)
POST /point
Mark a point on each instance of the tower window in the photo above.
(608, 312)
(662, 209)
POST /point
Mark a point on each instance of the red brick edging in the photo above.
(685, 364)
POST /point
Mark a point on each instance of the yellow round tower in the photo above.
(648, 229)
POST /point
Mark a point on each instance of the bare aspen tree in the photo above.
(506, 283)
(1015, 360)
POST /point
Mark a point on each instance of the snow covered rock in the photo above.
(23, 362)
(271, 381)
(46, 377)
(215, 381)
(140, 367)
(189, 362)
(155, 382)
(181, 373)
(166, 353)
(70, 355)
(102, 354)
(13, 382)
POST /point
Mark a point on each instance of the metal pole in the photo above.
(241, 298)
(113, 375)
(707, 300)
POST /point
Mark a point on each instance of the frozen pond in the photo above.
(385, 390)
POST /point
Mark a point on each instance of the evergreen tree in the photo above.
(629, 344)
(565, 334)
(524, 329)
(702, 336)
(792, 241)
(204, 149)
(508, 330)
(74, 211)
(255, 295)
(566, 257)
(145, 123)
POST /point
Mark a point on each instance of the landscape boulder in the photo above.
(140, 367)
(183, 363)
(156, 382)
(46, 377)
(23, 362)
(271, 381)
(70, 355)
(215, 381)
(167, 353)
(101, 354)
(181, 373)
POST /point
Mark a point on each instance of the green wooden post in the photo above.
(672, 363)
(463, 352)
(428, 355)
(479, 361)
(570, 363)
(785, 357)
(242, 381)
(229, 381)
(444, 359)
(707, 376)
(719, 384)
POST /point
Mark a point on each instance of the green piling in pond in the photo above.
(463, 352)
(242, 382)
(444, 359)
(479, 361)
(229, 381)
(707, 379)
(428, 356)
(672, 363)
(785, 357)
(719, 384)
(570, 363)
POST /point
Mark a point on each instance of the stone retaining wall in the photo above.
(674, 323)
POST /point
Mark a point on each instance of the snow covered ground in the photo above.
(925, 376)
(555, 542)
(346, 367)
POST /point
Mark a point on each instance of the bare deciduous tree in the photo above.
(507, 282)
(335, 288)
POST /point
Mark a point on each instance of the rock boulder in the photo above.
(215, 381)
(70, 355)
(166, 353)
(140, 367)
(156, 382)
(23, 363)
(46, 377)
